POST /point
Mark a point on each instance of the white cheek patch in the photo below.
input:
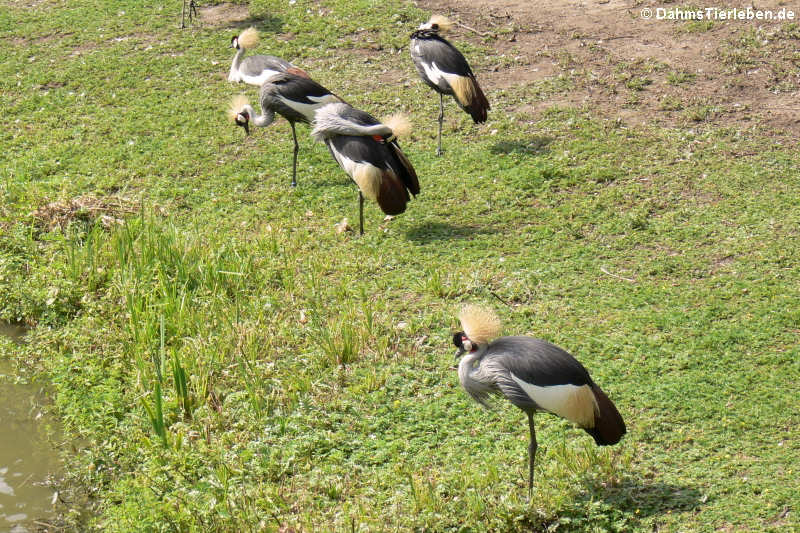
(573, 402)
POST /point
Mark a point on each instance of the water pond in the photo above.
(28, 457)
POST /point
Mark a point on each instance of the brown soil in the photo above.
(224, 14)
(603, 55)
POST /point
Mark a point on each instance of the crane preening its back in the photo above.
(255, 70)
(534, 375)
(368, 152)
(445, 70)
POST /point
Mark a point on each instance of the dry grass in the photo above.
(108, 211)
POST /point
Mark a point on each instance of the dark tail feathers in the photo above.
(397, 182)
(407, 172)
(608, 424)
(392, 196)
(479, 105)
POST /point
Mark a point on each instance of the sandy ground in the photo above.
(605, 56)
(731, 73)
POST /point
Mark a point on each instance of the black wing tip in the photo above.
(408, 175)
(479, 107)
(609, 425)
(392, 211)
(479, 117)
(393, 195)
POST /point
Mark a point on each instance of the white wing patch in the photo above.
(433, 73)
(326, 99)
(260, 79)
(348, 165)
(308, 110)
(573, 402)
(366, 176)
(436, 75)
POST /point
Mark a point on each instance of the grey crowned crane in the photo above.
(293, 97)
(533, 375)
(443, 68)
(255, 70)
(368, 152)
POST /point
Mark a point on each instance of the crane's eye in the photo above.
(434, 26)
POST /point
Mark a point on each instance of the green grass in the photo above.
(678, 77)
(226, 361)
(695, 26)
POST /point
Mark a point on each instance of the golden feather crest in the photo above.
(399, 124)
(443, 22)
(480, 324)
(248, 38)
(237, 105)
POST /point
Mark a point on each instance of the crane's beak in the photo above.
(459, 353)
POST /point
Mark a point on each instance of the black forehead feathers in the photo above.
(457, 339)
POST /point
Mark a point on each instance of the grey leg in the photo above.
(192, 11)
(360, 213)
(294, 157)
(531, 453)
(441, 119)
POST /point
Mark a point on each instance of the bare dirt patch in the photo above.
(605, 56)
(21, 41)
(30, 4)
(224, 14)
